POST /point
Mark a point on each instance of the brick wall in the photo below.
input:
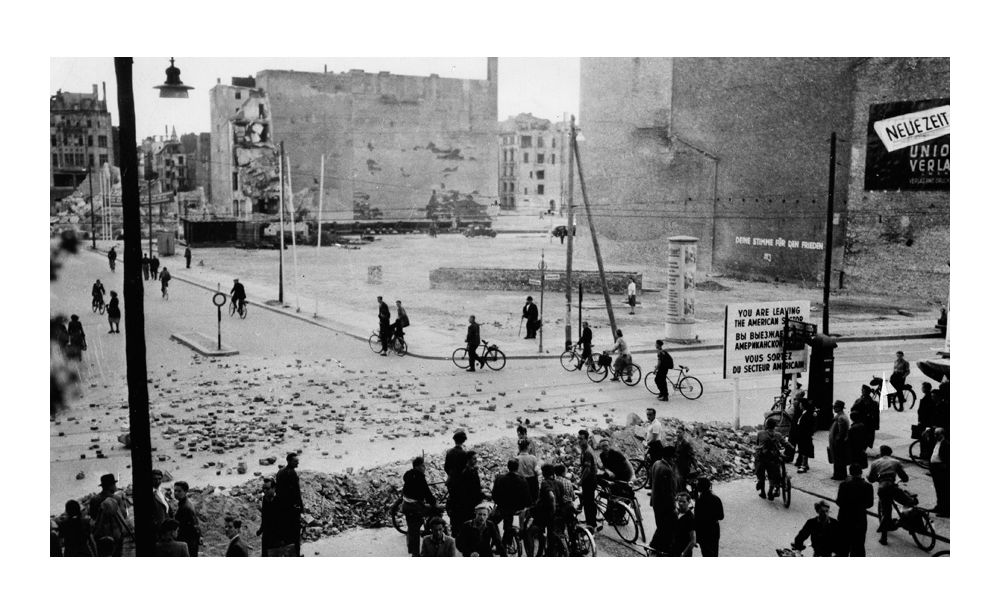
(517, 279)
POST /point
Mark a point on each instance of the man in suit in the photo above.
(290, 500)
(187, 257)
(271, 538)
(854, 498)
(472, 342)
(161, 510)
(189, 530)
(530, 313)
(586, 343)
(383, 325)
(237, 547)
(167, 544)
(838, 449)
(663, 487)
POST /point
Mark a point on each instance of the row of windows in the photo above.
(508, 188)
(527, 141)
(508, 156)
(78, 159)
(58, 119)
(102, 141)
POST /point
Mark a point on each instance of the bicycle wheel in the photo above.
(374, 343)
(397, 516)
(461, 358)
(93, 306)
(631, 375)
(581, 542)
(399, 346)
(243, 311)
(690, 387)
(925, 537)
(622, 518)
(101, 308)
(232, 308)
(909, 399)
(641, 474)
(650, 383)
(786, 491)
(915, 452)
(568, 360)
(495, 359)
(597, 373)
(784, 421)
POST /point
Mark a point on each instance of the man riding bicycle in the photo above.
(884, 470)
(624, 358)
(617, 472)
(97, 293)
(767, 459)
(239, 295)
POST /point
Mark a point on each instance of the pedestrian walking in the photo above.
(630, 295)
(154, 267)
(112, 258)
(468, 493)
(855, 497)
(821, 530)
(867, 407)
(707, 516)
(837, 450)
(528, 468)
(884, 471)
(107, 511)
(168, 544)
(437, 543)
(145, 267)
(472, 342)
(663, 492)
(479, 536)
(529, 313)
(77, 338)
(270, 531)
(685, 537)
(289, 494)
(161, 509)
(664, 362)
(189, 529)
(510, 495)
(940, 473)
(418, 504)
(164, 280)
(804, 428)
(767, 459)
(402, 320)
(383, 325)
(114, 314)
(234, 530)
(187, 257)
(76, 532)
(857, 440)
(590, 468)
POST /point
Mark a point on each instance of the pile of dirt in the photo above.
(337, 502)
(710, 285)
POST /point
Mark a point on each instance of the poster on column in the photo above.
(753, 339)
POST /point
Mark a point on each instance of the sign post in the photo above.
(219, 299)
(541, 302)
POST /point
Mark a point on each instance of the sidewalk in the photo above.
(426, 341)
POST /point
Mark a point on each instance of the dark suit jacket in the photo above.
(237, 547)
(472, 335)
(530, 311)
(171, 548)
(854, 496)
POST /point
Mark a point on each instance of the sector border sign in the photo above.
(753, 339)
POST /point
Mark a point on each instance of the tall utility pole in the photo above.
(281, 226)
(135, 334)
(829, 234)
(593, 234)
(149, 212)
(90, 183)
(570, 230)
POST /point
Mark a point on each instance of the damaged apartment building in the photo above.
(245, 179)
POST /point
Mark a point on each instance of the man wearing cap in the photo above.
(161, 510)
(822, 531)
(454, 464)
(900, 371)
(530, 313)
(854, 498)
(616, 468)
(418, 503)
(290, 500)
(239, 294)
(384, 329)
(467, 493)
(837, 450)
(479, 536)
(168, 544)
(108, 513)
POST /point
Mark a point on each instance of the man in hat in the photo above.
(154, 267)
(837, 449)
(168, 544)
(479, 536)
(854, 498)
(707, 517)
(384, 329)
(472, 341)
(161, 510)
(857, 440)
(187, 256)
(112, 258)
(454, 464)
(511, 495)
(290, 500)
(868, 408)
(237, 547)
(107, 511)
(239, 294)
(418, 504)
(530, 313)
(586, 343)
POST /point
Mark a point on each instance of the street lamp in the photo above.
(173, 87)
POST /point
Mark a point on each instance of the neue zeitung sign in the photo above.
(753, 339)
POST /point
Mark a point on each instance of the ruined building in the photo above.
(736, 152)
(244, 160)
(533, 163)
(396, 147)
(80, 137)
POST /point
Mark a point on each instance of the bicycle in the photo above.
(571, 359)
(917, 449)
(619, 511)
(630, 374)
(241, 308)
(97, 304)
(907, 392)
(396, 343)
(916, 521)
(490, 354)
(784, 485)
(398, 518)
(779, 413)
(688, 385)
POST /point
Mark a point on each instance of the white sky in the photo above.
(546, 87)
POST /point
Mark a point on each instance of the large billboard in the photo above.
(909, 145)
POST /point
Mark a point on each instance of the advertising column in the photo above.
(682, 260)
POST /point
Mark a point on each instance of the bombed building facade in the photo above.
(736, 152)
(394, 147)
(533, 163)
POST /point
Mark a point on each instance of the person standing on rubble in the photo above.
(290, 501)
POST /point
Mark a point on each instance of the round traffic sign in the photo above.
(219, 299)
